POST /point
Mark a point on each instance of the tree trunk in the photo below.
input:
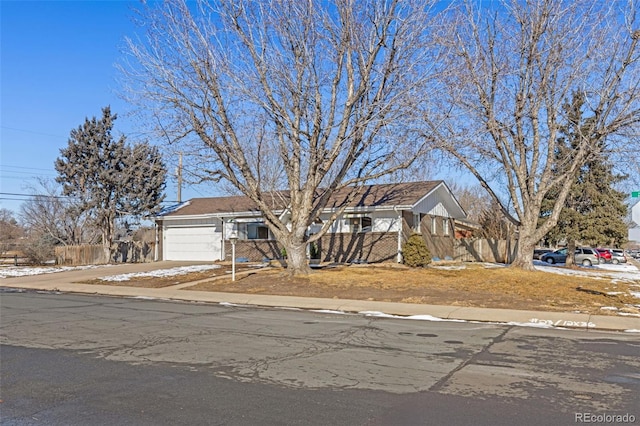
(108, 235)
(524, 254)
(571, 253)
(297, 263)
(295, 244)
(525, 246)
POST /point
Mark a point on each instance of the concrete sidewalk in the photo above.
(64, 282)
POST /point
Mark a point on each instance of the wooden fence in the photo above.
(126, 252)
(80, 255)
(484, 250)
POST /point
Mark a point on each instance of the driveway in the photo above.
(91, 272)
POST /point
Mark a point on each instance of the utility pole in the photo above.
(179, 176)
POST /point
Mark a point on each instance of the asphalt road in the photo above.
(78, 360)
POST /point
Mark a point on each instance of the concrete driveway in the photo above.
(90, 273)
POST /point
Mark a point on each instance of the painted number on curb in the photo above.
(563, 323)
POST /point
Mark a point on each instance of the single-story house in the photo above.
(372, 228)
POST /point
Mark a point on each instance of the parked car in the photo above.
(605, 255)
(539, 252)
(617, 256)
(585, 256)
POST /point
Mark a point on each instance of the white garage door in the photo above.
(193, 243)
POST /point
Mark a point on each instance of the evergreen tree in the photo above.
(415, 252)
(110, 178)
(594, 212)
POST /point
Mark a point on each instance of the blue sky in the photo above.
(57, 68)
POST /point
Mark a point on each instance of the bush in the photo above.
(415, 252)
(39, 249)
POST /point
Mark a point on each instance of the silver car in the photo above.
(585, 256)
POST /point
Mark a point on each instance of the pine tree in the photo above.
(110, 178)
(415, 252)
(594, 212)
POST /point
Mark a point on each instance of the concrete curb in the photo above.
(453, 313)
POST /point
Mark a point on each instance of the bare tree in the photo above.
(59, 218)
(10, 231)
(473, 199)
(512, 65)
(315, 95)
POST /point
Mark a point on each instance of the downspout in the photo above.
(399, 258)
(155, 249)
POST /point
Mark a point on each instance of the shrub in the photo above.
(39, 249)
(415, 252)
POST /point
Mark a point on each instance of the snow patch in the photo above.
(160, 273)
(624, 272)
(20, 271)
(409, 317)
(449, 267)
(174, 208)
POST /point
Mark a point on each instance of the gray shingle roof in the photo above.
(380, 195)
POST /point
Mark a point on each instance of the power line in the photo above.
(8, 166)
(17, 194)
(31, 131)
(19, 171)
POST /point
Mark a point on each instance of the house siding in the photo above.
(371, 247)
(348, 247)
(384, 221)
(439, 203)
(254, 250)
(439, 245)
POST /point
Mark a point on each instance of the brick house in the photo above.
(372, 228)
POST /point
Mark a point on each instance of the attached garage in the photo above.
(192, 243)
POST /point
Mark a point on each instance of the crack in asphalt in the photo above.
(472, 360)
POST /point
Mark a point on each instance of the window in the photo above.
(434, 226)
(360, 224)
(445, 226)
(257, 231)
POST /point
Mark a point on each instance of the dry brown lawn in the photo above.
(455, 284)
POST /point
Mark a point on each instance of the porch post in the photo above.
(399, 258)
(156, 248)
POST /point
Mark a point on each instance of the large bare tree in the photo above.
(512, 66)
(311, 95)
